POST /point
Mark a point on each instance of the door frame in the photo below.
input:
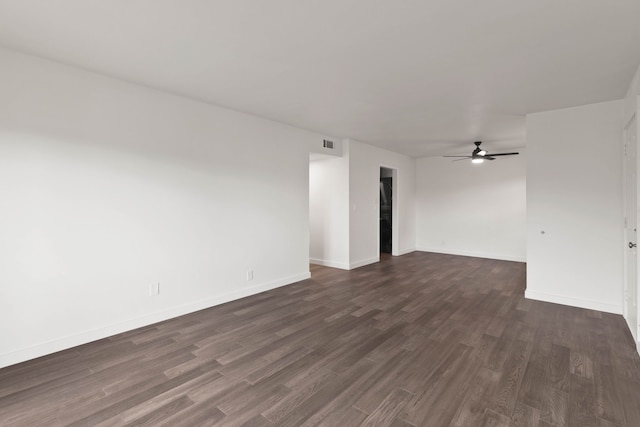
(628, 237)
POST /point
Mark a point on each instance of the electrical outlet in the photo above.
(249, 274)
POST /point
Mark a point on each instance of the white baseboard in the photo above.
(488, 255)
(332, 264)
(405, 251)
(574, 302)
(363, 262)
(356, 264)
(70, 341)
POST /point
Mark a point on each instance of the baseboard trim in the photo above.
(363, 262)
(574, 302)
(71, 341)
(488, 255)
(332, 264)
(637, 341)
(405, 251)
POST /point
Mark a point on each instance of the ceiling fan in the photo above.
(479, 155)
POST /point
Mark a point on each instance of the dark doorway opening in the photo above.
(386, 210)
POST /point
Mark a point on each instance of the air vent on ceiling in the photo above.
(327, 144)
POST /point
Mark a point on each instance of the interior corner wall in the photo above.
(364, 201)
(574, 206)
(329, 211)
(109, 188)
(472, 210)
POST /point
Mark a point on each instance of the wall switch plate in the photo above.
(249, 274)
(154, 289)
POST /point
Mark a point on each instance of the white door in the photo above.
(631, 217)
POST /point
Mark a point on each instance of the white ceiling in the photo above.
(421, 77)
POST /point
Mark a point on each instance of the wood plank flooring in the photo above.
(419, 340)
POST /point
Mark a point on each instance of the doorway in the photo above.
(630, 224)
(387, 215)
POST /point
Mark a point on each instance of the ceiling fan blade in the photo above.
(488, 157)
(502, 154)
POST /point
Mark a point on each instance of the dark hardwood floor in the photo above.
(419, 340)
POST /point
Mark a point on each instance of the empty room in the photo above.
(305, 213)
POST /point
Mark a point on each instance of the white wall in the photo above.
(632, 98)
(109, 187)
(329, 211)
(364, 194)
(472, 209)
(574, 196)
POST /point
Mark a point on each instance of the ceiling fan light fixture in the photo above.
(479, 155)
